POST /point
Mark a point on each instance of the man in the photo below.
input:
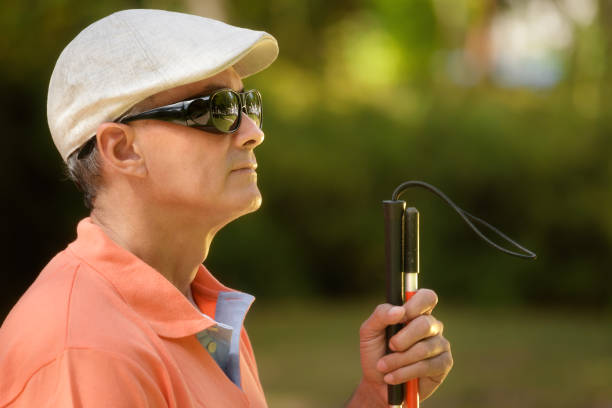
(149, 111)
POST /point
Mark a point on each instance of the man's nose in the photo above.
(249, 135)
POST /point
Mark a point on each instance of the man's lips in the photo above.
(250, 166)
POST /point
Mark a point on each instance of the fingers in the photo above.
(423, 350)
(383, 316)
(420, 349)
(435, 369)
(417, 329)
(422, 302)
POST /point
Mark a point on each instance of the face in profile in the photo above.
(195, 172)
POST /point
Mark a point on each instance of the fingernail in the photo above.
(388, 378)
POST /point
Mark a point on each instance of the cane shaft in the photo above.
(411, 285)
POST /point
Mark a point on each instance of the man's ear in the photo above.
(116, 144)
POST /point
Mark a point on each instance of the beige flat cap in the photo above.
(130, 55)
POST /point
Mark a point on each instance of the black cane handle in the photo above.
(394, 264)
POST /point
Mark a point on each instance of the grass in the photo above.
(307, 354)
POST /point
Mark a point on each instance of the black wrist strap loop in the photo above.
(468, 218)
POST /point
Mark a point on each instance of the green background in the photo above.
(366, 95)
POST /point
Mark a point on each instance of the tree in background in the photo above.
(474, 96)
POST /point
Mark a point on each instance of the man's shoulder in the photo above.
(69, 306)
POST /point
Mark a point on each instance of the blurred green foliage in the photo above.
(504, 357)
(362, 98)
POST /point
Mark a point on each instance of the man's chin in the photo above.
(255, 204)
(250, 203)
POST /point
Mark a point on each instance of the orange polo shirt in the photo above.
(101, 328)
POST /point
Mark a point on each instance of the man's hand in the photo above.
(419, 350)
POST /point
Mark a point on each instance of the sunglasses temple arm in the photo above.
(173, 112)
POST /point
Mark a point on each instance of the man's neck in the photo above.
(173, 246)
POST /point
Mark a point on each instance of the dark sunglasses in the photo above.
(218, 112)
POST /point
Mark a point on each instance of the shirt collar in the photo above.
(143, 288)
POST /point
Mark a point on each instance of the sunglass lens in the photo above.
(252, 105)
(225, 110)
(198, 111)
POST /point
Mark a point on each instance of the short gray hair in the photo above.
(84, 168)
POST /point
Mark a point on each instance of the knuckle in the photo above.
(426, 324)
(446, 362)
(446, 344)
(431, 295)
(435, 328)
(443, 361)
(440, 326)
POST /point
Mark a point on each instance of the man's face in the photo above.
(194, 173)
